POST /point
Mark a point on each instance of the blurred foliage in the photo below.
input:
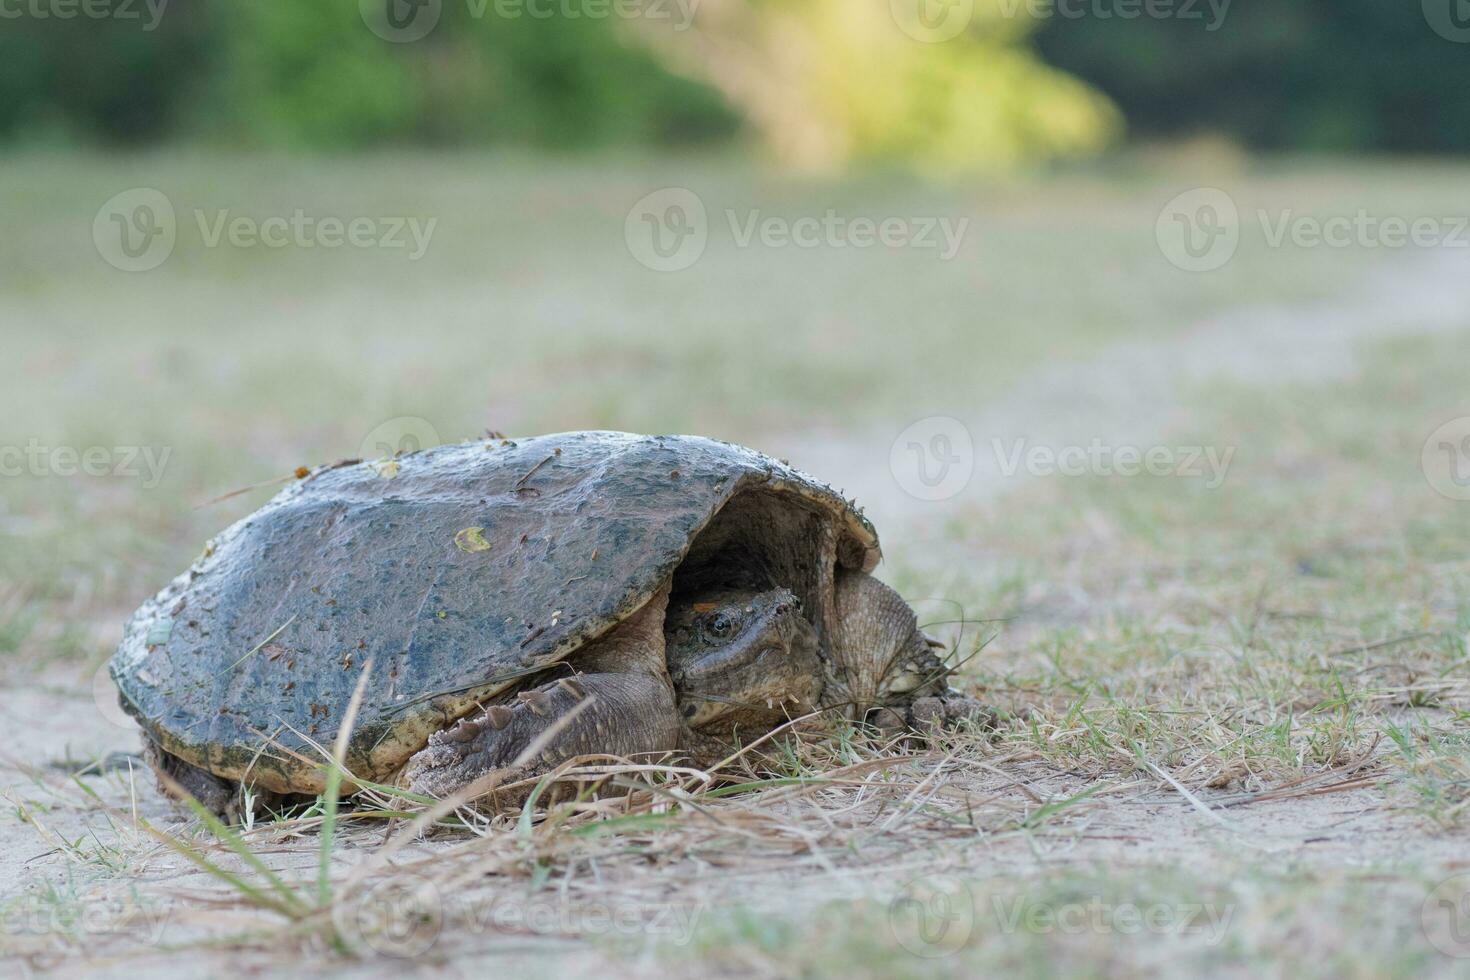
(286, 73)
(105, 79)
(829, 81)
(820, 81)
(1340, 75)
(301, 73)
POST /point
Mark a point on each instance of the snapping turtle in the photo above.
(591, 593)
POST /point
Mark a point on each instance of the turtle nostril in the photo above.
(782, 609)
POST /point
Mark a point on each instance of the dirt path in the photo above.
(1133, 393)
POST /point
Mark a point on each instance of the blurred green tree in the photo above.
(1332, 75)
(822, 82)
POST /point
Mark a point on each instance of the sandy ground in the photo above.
(1335, 825)
(1128, 394)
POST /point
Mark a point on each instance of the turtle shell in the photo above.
(448, 576)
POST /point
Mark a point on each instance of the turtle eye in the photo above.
(720, 626)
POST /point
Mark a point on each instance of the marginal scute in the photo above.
(345, 572)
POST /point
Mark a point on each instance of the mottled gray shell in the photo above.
(455, 573)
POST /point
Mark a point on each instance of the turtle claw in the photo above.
(951, 710)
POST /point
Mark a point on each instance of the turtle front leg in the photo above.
(622, 705)
(950, 710)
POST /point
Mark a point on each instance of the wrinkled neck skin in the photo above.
(879, 655)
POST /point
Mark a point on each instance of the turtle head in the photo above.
(742, 658)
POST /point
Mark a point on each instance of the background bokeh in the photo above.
(1019, 80)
